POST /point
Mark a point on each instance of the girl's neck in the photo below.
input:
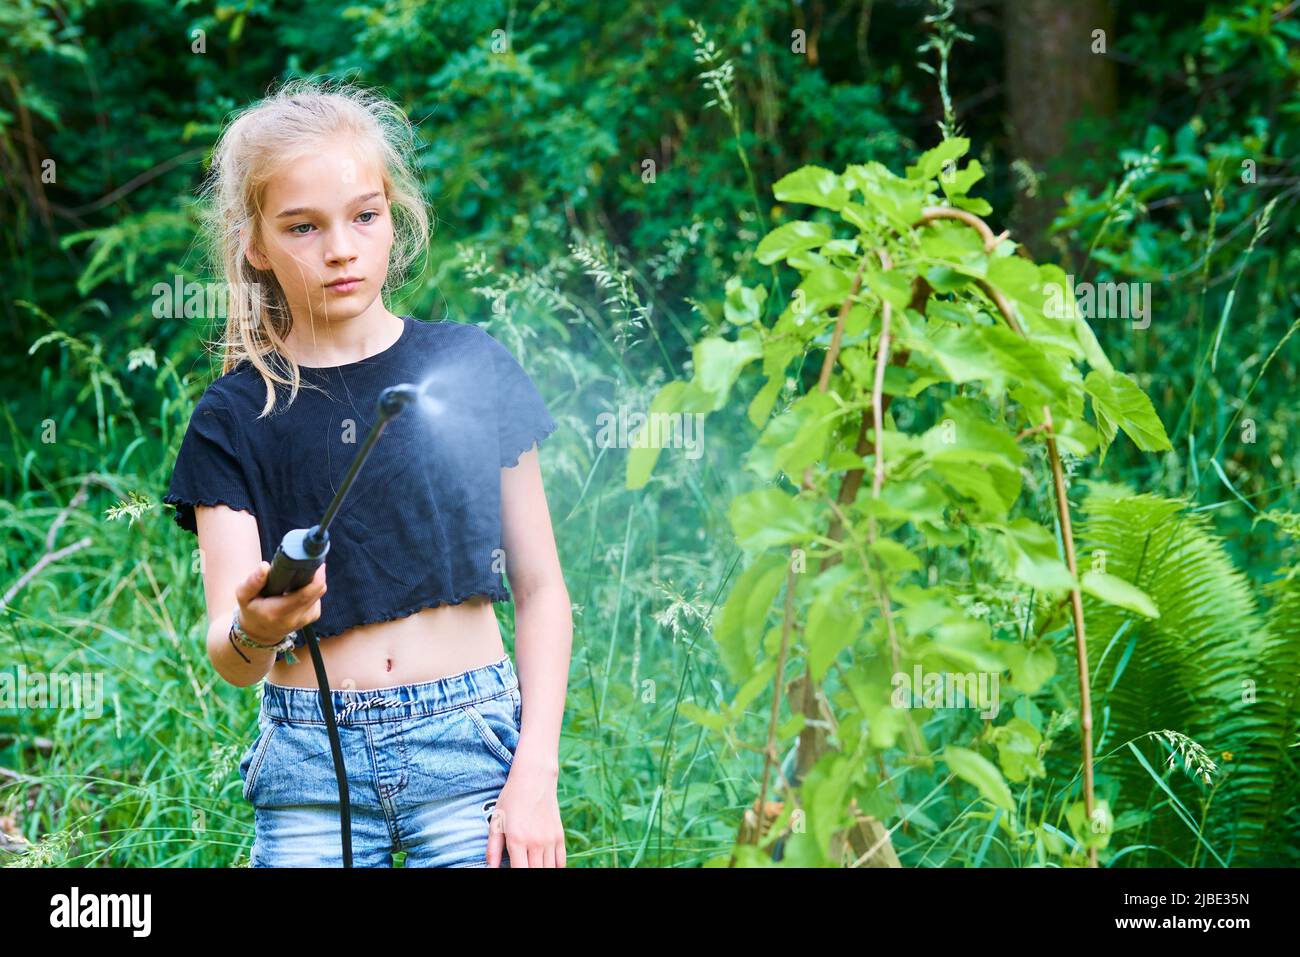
(326, 343)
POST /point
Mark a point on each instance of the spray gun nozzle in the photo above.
(395, 398)
(315, 541)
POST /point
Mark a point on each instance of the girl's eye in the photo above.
(302, 228)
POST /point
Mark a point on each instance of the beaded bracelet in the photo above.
(285, 644)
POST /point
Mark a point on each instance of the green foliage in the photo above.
(1211, 666)
(964, 313)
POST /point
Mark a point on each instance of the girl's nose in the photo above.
(340, 246)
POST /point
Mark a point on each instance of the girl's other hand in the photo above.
(526, 821)
(269, 619)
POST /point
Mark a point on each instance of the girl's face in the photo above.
(325, 218)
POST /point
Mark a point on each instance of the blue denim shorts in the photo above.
(425, 763)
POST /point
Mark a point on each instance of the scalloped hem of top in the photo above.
(496, 593)
(546, 430)
(175, 500)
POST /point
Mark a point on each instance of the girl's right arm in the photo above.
(230, 556)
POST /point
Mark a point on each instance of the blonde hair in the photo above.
(258, 142)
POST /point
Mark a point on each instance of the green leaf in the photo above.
(1017, 743)
(1076, 436)
(743, 304)
(978, 770)
(986, 494)
(976, 457)
(822, 288)
(718, 362)
(965, 648)
(955, 243)
(777, 353)
(790, 238)
(841, 247)
(641, 459)
(1036, 364)
(1116, 591)
(1030, 667)
(980, 207)
(895, 556)
(760, 407)
(959, 352)
(1032, 553)
(813, 185)
(918, 500)
(754, 685)
(886, 726)
(859, 322)
(740, 623)
(958, 184)
(792, 725)
(1060, 302)
(893, 286)
(833, 623)
(1020, 281)
(966, 434)
(1117, 401)
(931, 163)
(709, 719)
(998, 357)
(1095, 833)
(898, 200)
(824, 796)
(945, 279)
(796, 438)
(1027, 286)
(767, 517)
(856, 214)
(807, 259)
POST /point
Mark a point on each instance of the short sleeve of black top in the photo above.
(421, 525)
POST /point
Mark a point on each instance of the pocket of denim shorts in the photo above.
(255, 757)
(497, 722)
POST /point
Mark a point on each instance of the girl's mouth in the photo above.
(345, 286)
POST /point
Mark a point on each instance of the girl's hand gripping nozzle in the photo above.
(301, 552)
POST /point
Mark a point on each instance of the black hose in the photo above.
(340, 770)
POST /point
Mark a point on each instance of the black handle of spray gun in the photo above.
(301, 552)
(296, 560)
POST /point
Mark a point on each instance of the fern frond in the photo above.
(1208, 667)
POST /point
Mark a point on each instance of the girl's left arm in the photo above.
(528, 813)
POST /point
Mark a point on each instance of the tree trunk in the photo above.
(1053, 78)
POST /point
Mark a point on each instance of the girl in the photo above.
(451, 755)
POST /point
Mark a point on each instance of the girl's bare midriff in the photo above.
(430, 644)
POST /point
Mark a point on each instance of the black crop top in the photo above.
(421, 525)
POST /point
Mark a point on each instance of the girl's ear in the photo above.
(254, 255)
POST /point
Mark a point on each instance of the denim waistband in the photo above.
(302, 705)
